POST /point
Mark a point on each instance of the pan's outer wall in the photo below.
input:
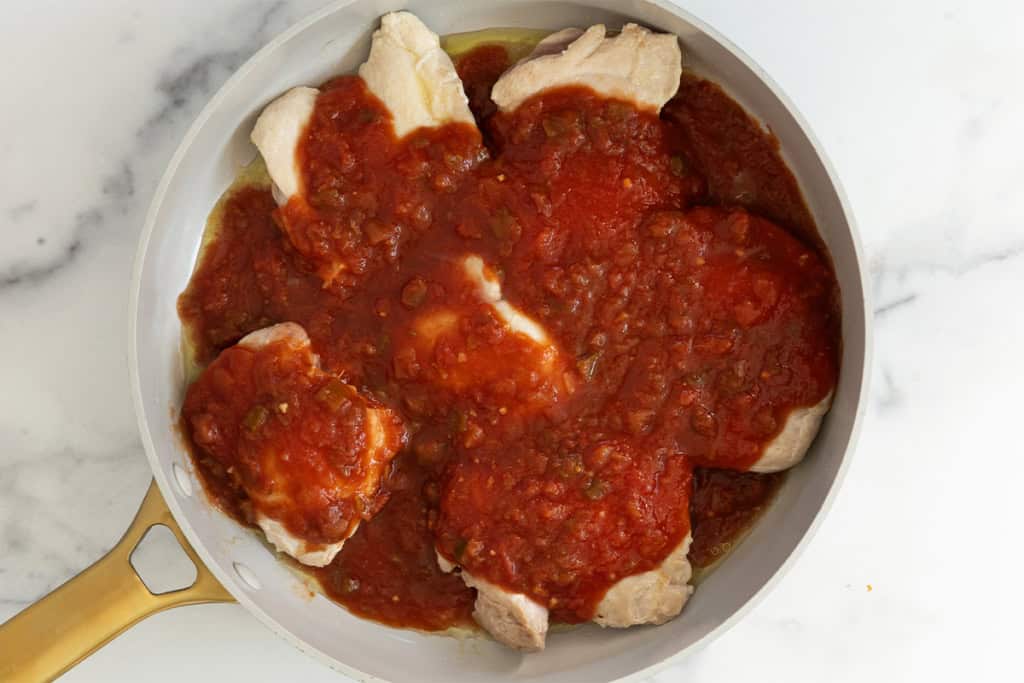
(333, 41)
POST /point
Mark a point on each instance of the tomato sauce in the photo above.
(686, 328)
(340, 222)
(479, 70)
(287, 441)
(388, 571)
(738, 160)
(724, 505)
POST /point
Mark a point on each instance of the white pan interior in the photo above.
(336, 41)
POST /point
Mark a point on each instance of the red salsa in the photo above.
(342, 222)
(686, 327)
(724, 504)
(286, 441)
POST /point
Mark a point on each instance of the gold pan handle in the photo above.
(78, 618)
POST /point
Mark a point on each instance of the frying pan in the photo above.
(233, 563)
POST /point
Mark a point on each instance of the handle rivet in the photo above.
(247, 576)
(182, 480)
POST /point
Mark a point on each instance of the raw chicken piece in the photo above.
(406, 69)
(511, 618)
(524, 354)
(277, 134)
(636, 65)
(652, 597)
(329, 152)
(588, 516)
(790, 446)
(305, 452)
(413, 76)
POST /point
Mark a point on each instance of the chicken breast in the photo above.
(764, 284)
(413, 76)
(406, 69)
(277, 134)
(305, 451)
(636, 65)
(383, 434)
(790, 446)
(520, 349)
(290, 335)
(574, 494)
(510, 618)
(652, 597)
(489, 289)
(378, 129)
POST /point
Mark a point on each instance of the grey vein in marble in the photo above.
(182, 89)
(99, 462)
(19, 211)
(887, 308)
(203, 73)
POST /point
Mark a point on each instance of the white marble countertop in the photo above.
(910, 576)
